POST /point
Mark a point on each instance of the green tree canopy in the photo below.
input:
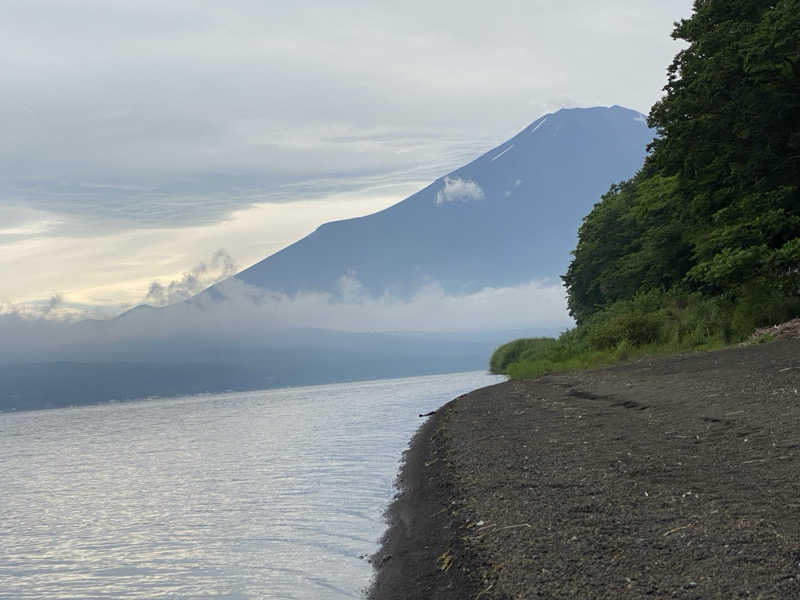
(716, 207)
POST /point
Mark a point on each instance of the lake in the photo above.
(268, 494)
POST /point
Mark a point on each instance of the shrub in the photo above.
(513, 351)
(650, 323)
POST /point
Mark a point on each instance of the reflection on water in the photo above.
(271, 494)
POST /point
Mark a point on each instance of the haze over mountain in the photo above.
(431, 284)
(508, 217)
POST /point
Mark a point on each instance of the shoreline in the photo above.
(420, 531)
(667, 477)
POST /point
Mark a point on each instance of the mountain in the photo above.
(508, 217)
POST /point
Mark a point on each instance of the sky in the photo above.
(148, 144)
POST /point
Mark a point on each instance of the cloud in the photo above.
(19, 222)
(221, 266)
(534, 304)
(51, 309)
(247, 317)
(459, 190)
(52, 305)
(258, 95)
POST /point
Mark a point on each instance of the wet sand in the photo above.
(675, 477)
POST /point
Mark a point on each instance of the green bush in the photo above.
(760, 305)
(513, 351)
(638, 321)
(654, 322)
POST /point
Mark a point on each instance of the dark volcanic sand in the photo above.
(674, 477)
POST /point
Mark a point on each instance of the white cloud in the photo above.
(221, 266)
(459, 190)
(252, 316)
(431, 309)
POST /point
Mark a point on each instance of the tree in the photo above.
(729, 128)
(716, 207)
(631, 242)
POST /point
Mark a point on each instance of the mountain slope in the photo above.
(508, 217)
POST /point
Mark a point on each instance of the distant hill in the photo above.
(507, 217)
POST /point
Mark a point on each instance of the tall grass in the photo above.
(513, 352)
(651, 323)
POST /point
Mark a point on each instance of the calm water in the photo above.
(271, 494)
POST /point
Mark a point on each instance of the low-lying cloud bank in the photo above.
(431, 309)
(233, 314)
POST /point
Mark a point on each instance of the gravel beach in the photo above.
(673, 477)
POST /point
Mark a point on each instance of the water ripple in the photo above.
(271, 494)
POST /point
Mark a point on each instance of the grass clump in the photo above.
(515, 351)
